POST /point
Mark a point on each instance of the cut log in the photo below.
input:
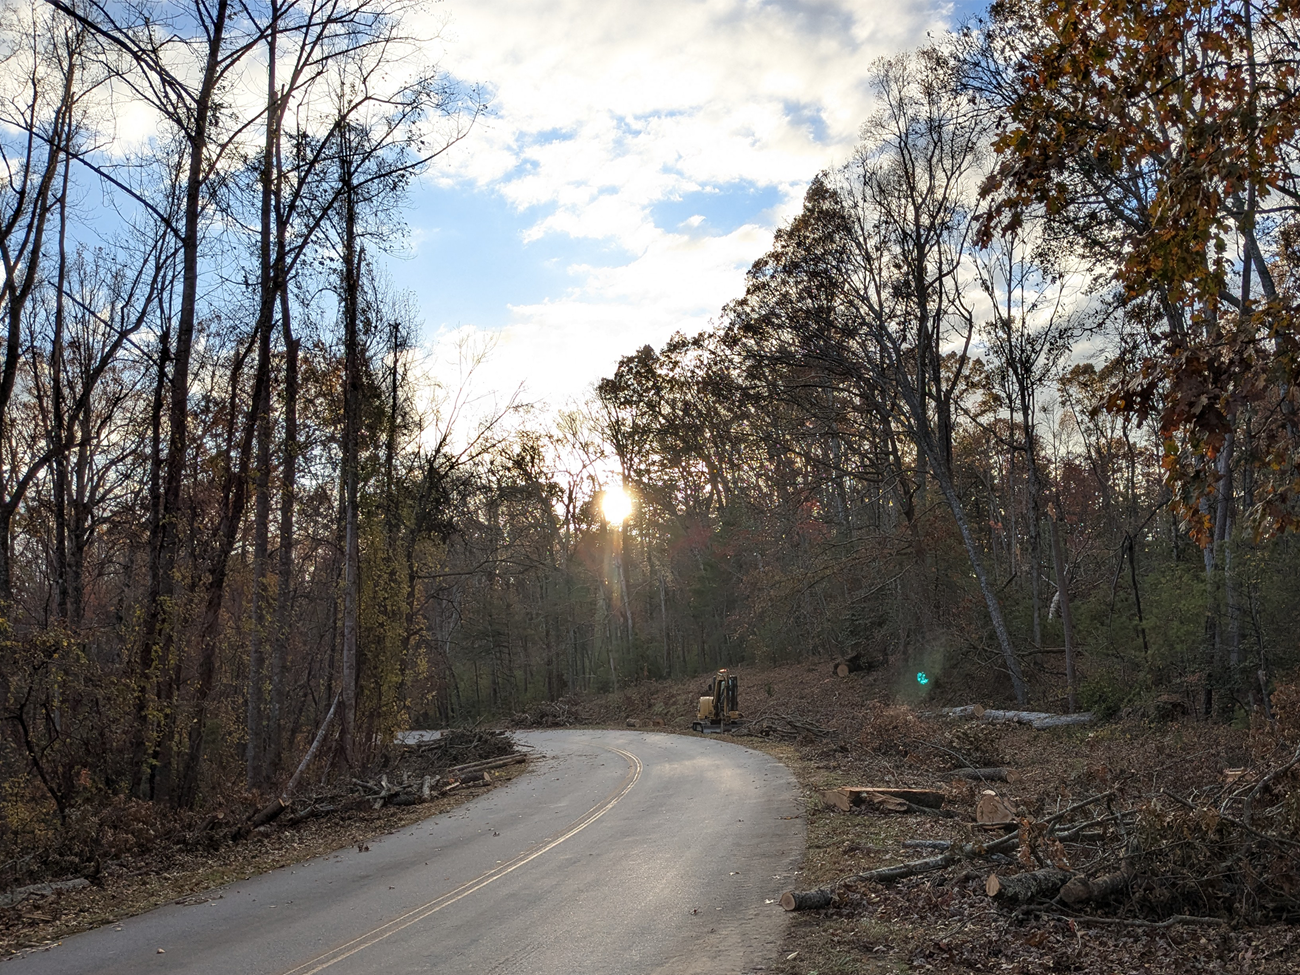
(268, 813)
(883, 798)
(1038, 720)
(293, 819)
(1021, 888)
(1061, 720)
(810, 900)
(405, 799)
(488, 763)
(474, 778)
(847, 665)
(993, 810)
(903, 870)
(1008, 775)
(1081, 890)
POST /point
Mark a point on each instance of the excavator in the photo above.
(719, 706)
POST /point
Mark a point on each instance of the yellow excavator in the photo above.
(719, 706)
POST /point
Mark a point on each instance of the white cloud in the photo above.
(604, 110)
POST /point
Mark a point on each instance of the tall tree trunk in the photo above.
(1067, 623)
(60, 438)
(146, 676)
(234, 497)
(351, 283)
(160, 625)
(281, 626)
(268, 289)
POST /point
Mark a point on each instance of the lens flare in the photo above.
(615, 504)
(922, 677)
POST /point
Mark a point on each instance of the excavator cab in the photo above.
(719, 705)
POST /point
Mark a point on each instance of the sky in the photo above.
(637, 159)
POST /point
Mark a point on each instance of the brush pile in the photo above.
(1213, 855)
(550, 714)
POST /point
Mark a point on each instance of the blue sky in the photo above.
(638, 159)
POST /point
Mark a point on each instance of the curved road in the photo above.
(619, 853)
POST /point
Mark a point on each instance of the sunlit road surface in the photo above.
(619, 853)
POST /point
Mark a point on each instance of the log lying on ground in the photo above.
(1082, 890)
(847, 665)
(9, 898)
(821, 897)
(488, 763)
(1021, 888)
(1038, 720)
(1008, 775)
(882, 798)
(268, 812)
(810, 901)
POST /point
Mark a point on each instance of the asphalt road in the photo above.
(618, 853)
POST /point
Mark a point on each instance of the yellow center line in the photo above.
(336, 955)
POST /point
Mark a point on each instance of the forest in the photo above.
(1009, 408)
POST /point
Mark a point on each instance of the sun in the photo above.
(615, 504)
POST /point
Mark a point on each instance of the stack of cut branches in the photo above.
(783, 727)
(549, 714)
(405, 789)
(407, 773)
(459, 746)
(1231, 853)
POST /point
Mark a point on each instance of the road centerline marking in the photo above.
(377, 934)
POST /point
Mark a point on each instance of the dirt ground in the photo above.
(850, 731)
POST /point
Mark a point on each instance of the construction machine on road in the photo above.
(719, 705)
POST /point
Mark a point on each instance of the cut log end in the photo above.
(809, 900)
(1022, 888)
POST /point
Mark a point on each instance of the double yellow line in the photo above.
(336, 955)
